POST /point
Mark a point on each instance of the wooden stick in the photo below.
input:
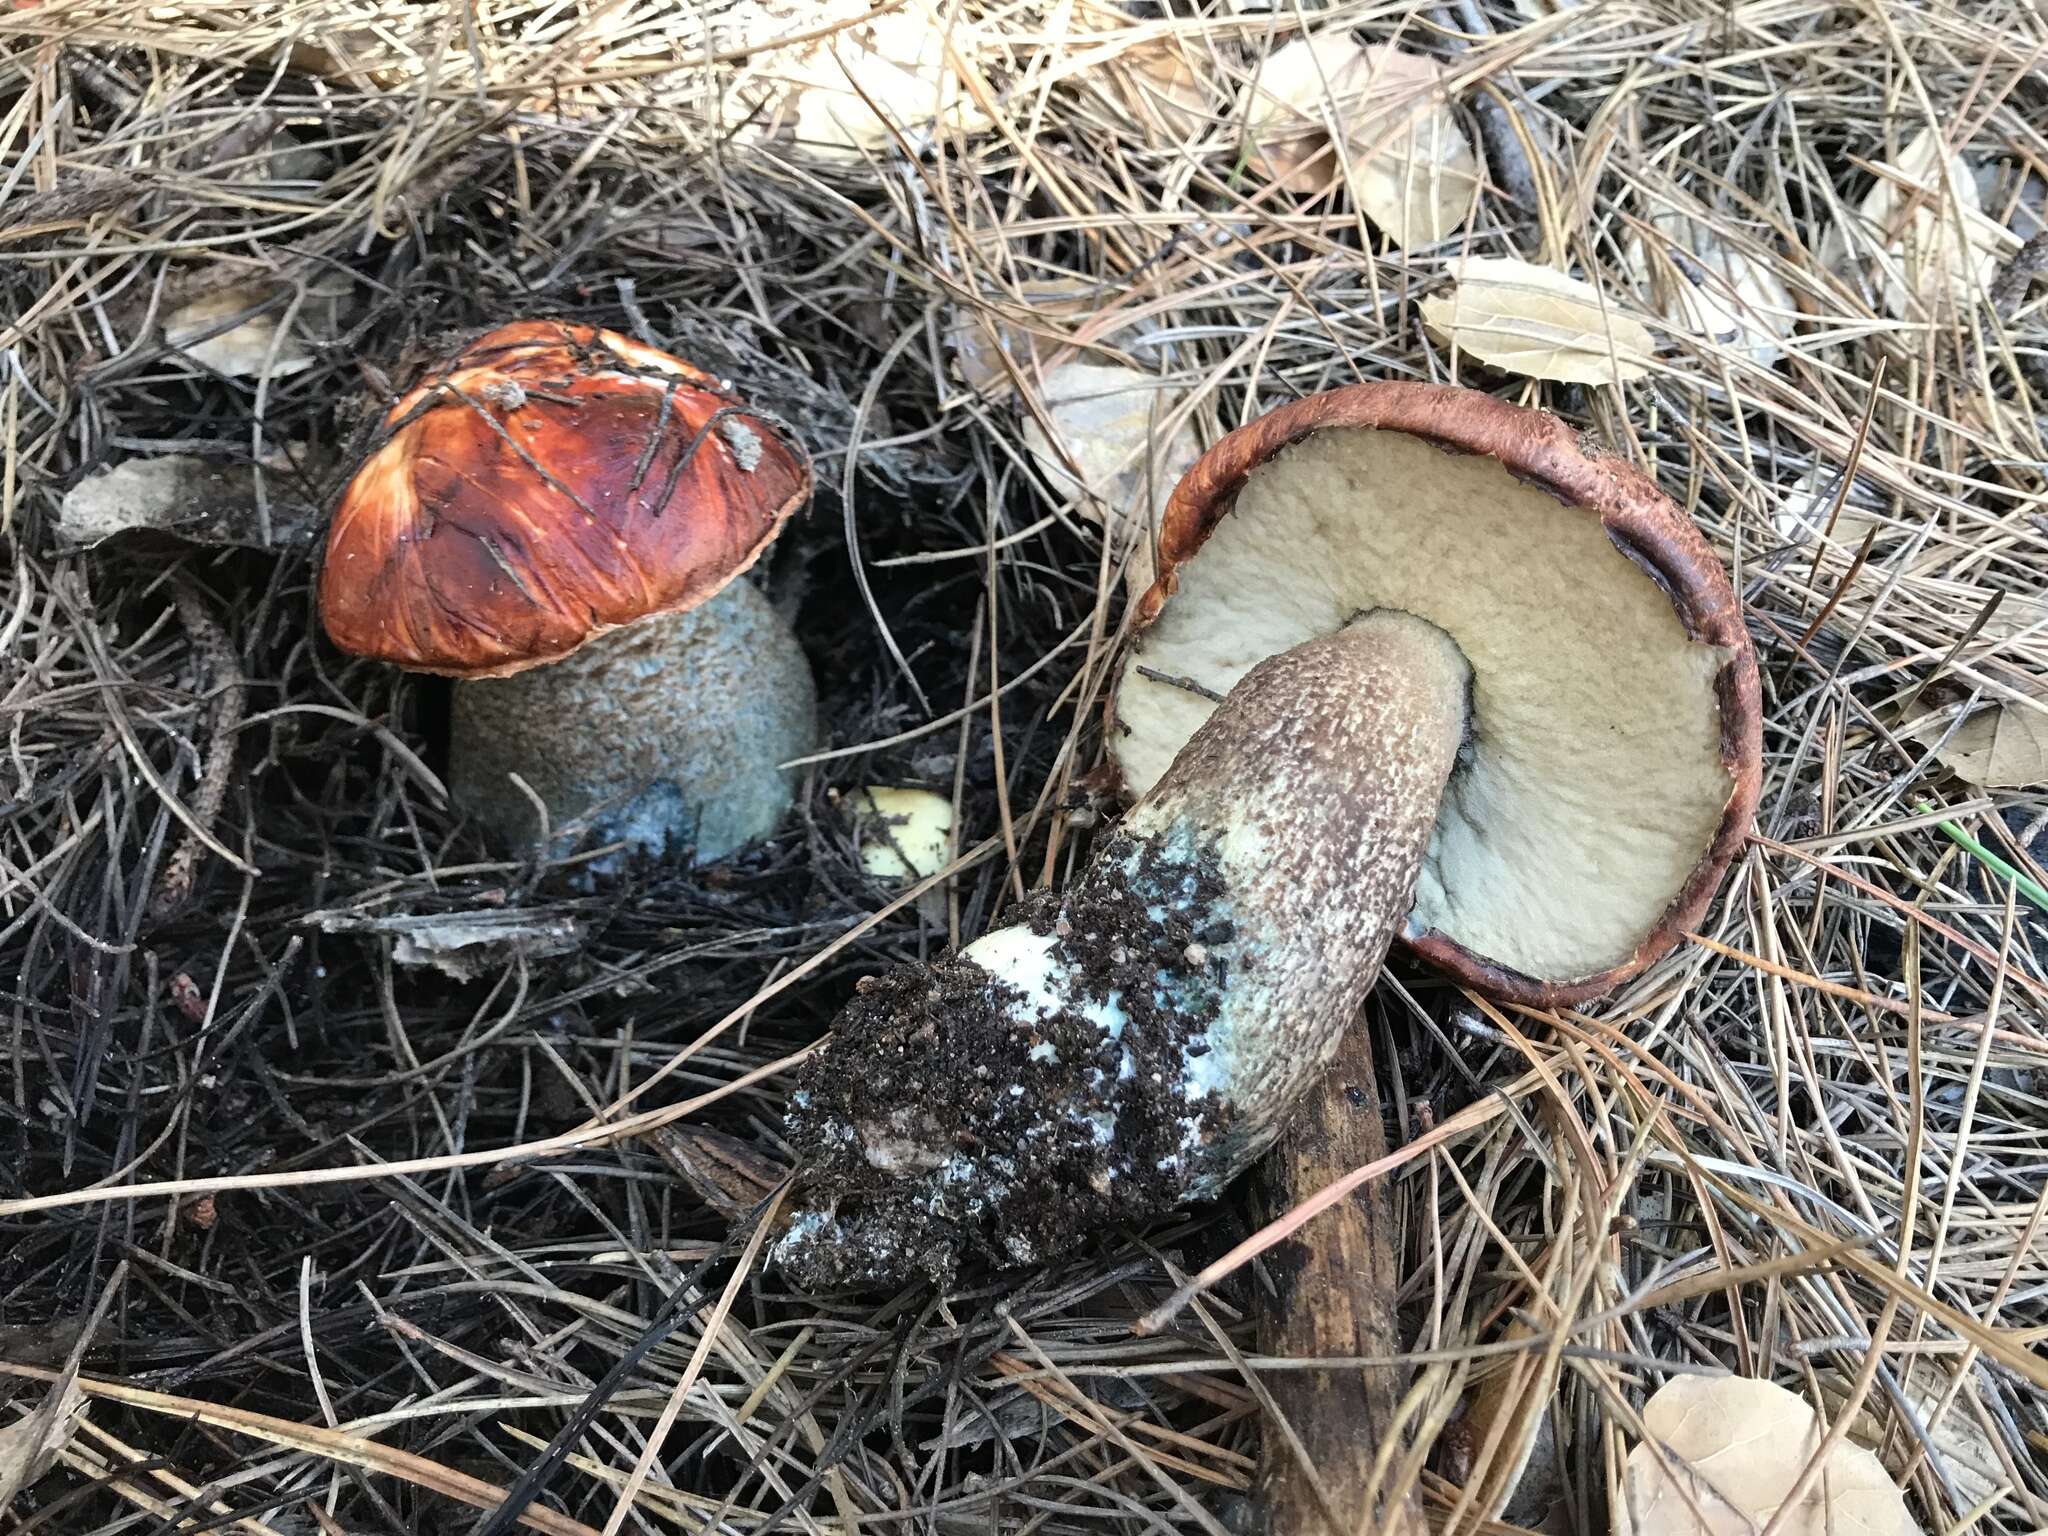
(1330, 1291)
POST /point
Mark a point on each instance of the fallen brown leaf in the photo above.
(1108, 446)
(29, 1446)
(1968, 1455)
(1159, 85)
(1408, 164)
(1714, 289)
(1725, 1451)
(1540, 323)
(246, 349)
(1924, 231)
(1804, 507)
(1505, 1430)
(980, 338)
(853, 90)
(2002, 745)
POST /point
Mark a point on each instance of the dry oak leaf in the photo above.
(1160, 86)
(193, 498)
(241, 351)
(2017, 618)
(1725, 1451)
(1503, 1449)
(29, 1446)
(982, 335)
(1929, 252)
(855, 89)
(1109, 448)
(1715, 290)
(2003, 745)
(1407, 163)
(1540, 323)
(1803, 508)
(1968, 1454)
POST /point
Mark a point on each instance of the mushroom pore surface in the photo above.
(1593, 784)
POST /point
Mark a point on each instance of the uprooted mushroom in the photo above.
(1418, 666)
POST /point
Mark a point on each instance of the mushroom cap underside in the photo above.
(547, 484)
(1613, 766)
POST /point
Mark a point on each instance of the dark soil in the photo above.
(946, 1120)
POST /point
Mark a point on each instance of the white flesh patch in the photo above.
(1025, 961)
(1595, 783)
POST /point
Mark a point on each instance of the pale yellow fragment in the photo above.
(905, 834)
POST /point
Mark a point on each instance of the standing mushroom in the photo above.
(560, 517)
(1417, 665)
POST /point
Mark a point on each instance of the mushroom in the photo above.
(1417, 665)
(560, 518)
(1613, 764)
(1609, 774)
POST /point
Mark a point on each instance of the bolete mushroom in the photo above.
(1417, 664)
(560, 518)
(1613, 762)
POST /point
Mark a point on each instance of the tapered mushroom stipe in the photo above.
(561, 518)
(1139, 1039)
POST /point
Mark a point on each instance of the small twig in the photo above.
(1283, 1227)
(1502, 125)
(1171, 680)
(2018, 274)
(224, 720)
(74, 198)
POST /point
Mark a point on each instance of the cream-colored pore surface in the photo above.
(1595, 782)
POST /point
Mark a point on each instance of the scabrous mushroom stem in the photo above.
(667, 733)
(1138, 1040)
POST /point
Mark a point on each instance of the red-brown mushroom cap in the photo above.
(551, 482)
(1614, 766)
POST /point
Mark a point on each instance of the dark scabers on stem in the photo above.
(1139, 1039)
